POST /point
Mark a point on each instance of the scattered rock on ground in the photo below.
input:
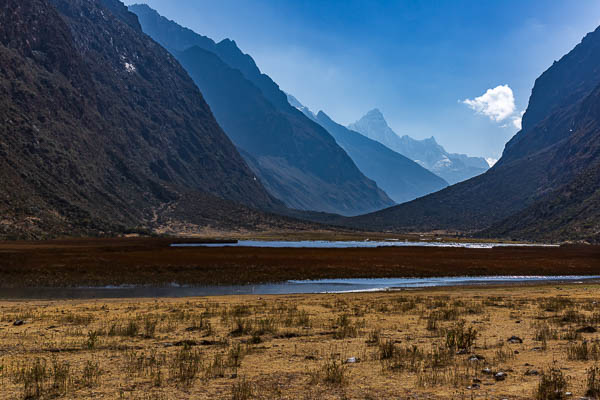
(531, 372)
(185, 343)
(515, 339)
(587, 329)
(500, 376)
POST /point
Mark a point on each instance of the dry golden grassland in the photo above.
(424, 344)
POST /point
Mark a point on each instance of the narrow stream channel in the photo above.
(290, 287)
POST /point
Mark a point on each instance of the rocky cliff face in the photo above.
(428, 153)
(100, 125)
(555, 94)
(297, 160)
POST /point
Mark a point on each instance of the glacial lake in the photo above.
(354, 244)
(289, 287)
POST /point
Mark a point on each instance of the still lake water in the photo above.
(290, 287)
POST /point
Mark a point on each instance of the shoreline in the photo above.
(133, 293)
(152, 262)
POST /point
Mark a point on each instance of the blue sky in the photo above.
(417, 61)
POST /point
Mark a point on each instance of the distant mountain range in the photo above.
(103, 132)
(453, 168)
(295, 158)
(546, 186)
(401, 178)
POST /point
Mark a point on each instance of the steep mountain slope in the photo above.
(571, 212)
(297, 160)
(402, 179)
(452, 167)
(177, 38)
(560, 87)
(550, 167)
(100, 125)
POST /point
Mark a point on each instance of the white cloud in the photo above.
(516, 121)
(497, 104)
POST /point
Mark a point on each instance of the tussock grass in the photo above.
(552, 385)
(241, 390)
(583, 351)
(332, 373)
(460, 336)
(593, 382)
(302, 346)
(185, 366)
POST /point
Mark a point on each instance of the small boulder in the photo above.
(477, 357)
(587, 329)
(532, 372)
(500, 376)
(515, 339)
(187, 342)
(18, 322)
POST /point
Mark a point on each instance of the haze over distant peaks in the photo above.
(374, 126)
(452, 167)
(401, 178)
(295, 103)
(295, 158)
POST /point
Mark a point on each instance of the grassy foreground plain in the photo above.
(450, 343)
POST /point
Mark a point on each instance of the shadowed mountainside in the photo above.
(560, 87)
(101, 127)
(297, 160)
(572, 211)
